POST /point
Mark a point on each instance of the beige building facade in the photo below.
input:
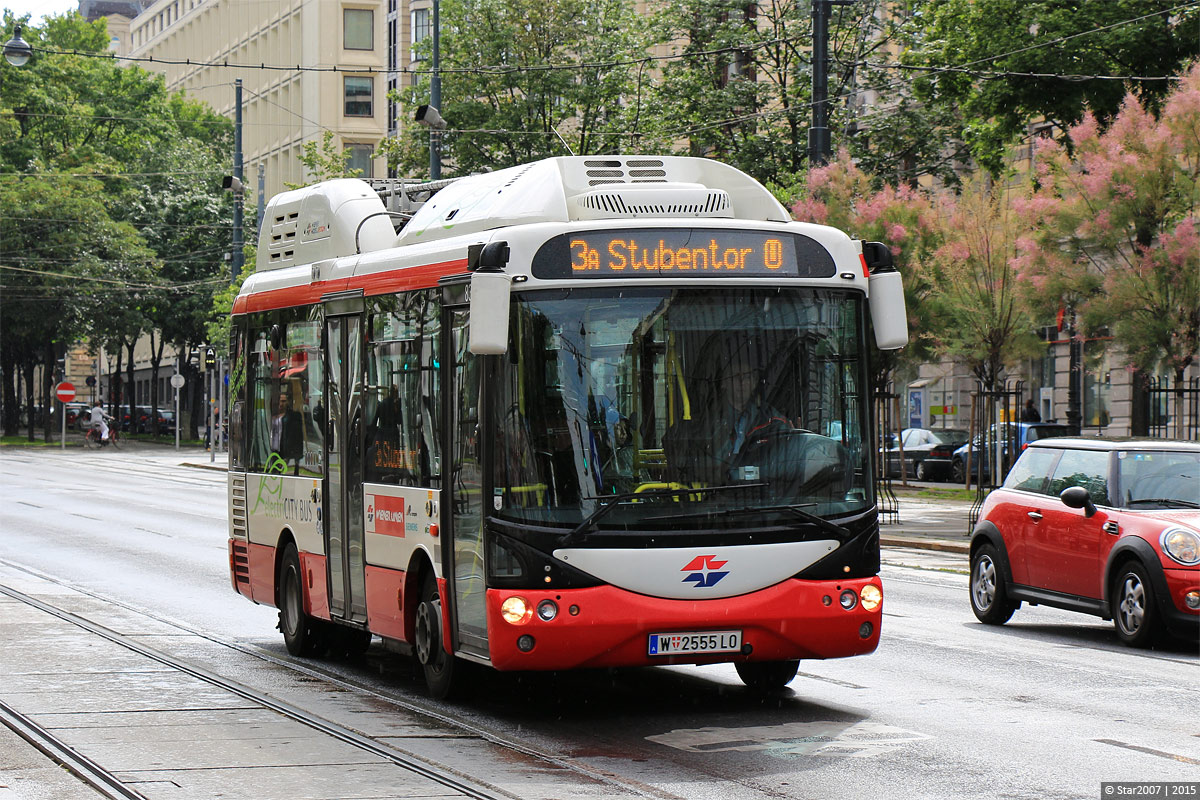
(342, 51)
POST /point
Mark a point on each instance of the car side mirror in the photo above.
(1078, 497)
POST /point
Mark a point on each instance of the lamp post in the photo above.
(16, 50)
(434, 120)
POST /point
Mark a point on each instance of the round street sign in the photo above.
(177, 381)
(65, 392)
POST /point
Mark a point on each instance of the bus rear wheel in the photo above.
(438, 665)
(301, 633)
(767, 676)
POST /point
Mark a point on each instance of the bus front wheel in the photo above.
(767, 676)
(438, 665)
(301, 633)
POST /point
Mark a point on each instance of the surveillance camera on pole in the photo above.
(233, 184)
(16, 50)
(429, 116)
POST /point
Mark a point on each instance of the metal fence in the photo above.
(887, 406)
(1173, 412)
(994, 441)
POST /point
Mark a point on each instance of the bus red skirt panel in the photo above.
(612, 626)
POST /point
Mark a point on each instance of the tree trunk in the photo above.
(12, 402)
(48, 399)
(131, 385)
(27, 368)
(156, 354)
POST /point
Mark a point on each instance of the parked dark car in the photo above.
(1000, 435)
(166, 421)
(1107, 527)
(927, 453)
(132, 424)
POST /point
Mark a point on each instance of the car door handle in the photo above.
(1035, 516)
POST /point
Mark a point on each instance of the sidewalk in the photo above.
(927, 524)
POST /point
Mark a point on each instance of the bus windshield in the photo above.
(628, 397)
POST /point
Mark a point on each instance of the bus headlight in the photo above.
(848, 599)
(516, 611)
(871, 597)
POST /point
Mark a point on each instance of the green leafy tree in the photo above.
(529, 79)
(67, 270)
(976, 310)
(323, 161)
(66, 115)
(738, 87)
(1044, 39)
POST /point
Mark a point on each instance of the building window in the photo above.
(358, 28)
(361, 159)
(420, 24)
(359, 97)
(1097, 385)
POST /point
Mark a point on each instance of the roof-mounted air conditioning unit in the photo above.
(628, 201)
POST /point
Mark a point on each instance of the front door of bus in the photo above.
(463, 561)
(343, 455)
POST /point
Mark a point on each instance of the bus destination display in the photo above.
(681, 253)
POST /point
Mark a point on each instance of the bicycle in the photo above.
(92, 439)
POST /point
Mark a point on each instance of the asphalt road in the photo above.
(1048, 706)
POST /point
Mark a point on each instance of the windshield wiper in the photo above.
(576, 534)
(794, 509)
(1171, 501)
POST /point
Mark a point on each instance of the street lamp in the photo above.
(428, 115)
(16, 50)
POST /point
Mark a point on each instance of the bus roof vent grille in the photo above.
(628, 170)
(628, 201)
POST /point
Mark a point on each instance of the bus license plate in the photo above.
(689, 642)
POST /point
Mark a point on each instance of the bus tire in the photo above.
(301, 633)
(767, 676)
(438, 665)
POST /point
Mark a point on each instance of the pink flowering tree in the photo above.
(845, 197)
(978, 311)
(1116, 218)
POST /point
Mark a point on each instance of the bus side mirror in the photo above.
(888, 315)
(488, 333)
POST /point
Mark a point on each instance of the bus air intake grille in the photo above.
(241, 563)
(237, 508)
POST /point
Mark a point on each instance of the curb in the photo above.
(941, 545)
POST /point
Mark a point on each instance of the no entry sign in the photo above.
(65, 392)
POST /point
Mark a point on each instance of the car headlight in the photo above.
(1182, 545)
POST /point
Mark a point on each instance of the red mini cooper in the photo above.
(1103, 526)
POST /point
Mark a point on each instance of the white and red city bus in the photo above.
(586, 412)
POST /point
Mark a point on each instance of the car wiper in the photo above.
(1170, 501)
(796, 509)
(576, 534)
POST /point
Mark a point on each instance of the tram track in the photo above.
(66, 756)
(463, 784)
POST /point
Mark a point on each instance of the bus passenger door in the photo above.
(462, 561)
(344, 473)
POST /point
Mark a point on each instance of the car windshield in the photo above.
(950, 436)
(1156, 479)
(1036, 432)
(755, 398)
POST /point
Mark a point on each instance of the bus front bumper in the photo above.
(610, 627)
